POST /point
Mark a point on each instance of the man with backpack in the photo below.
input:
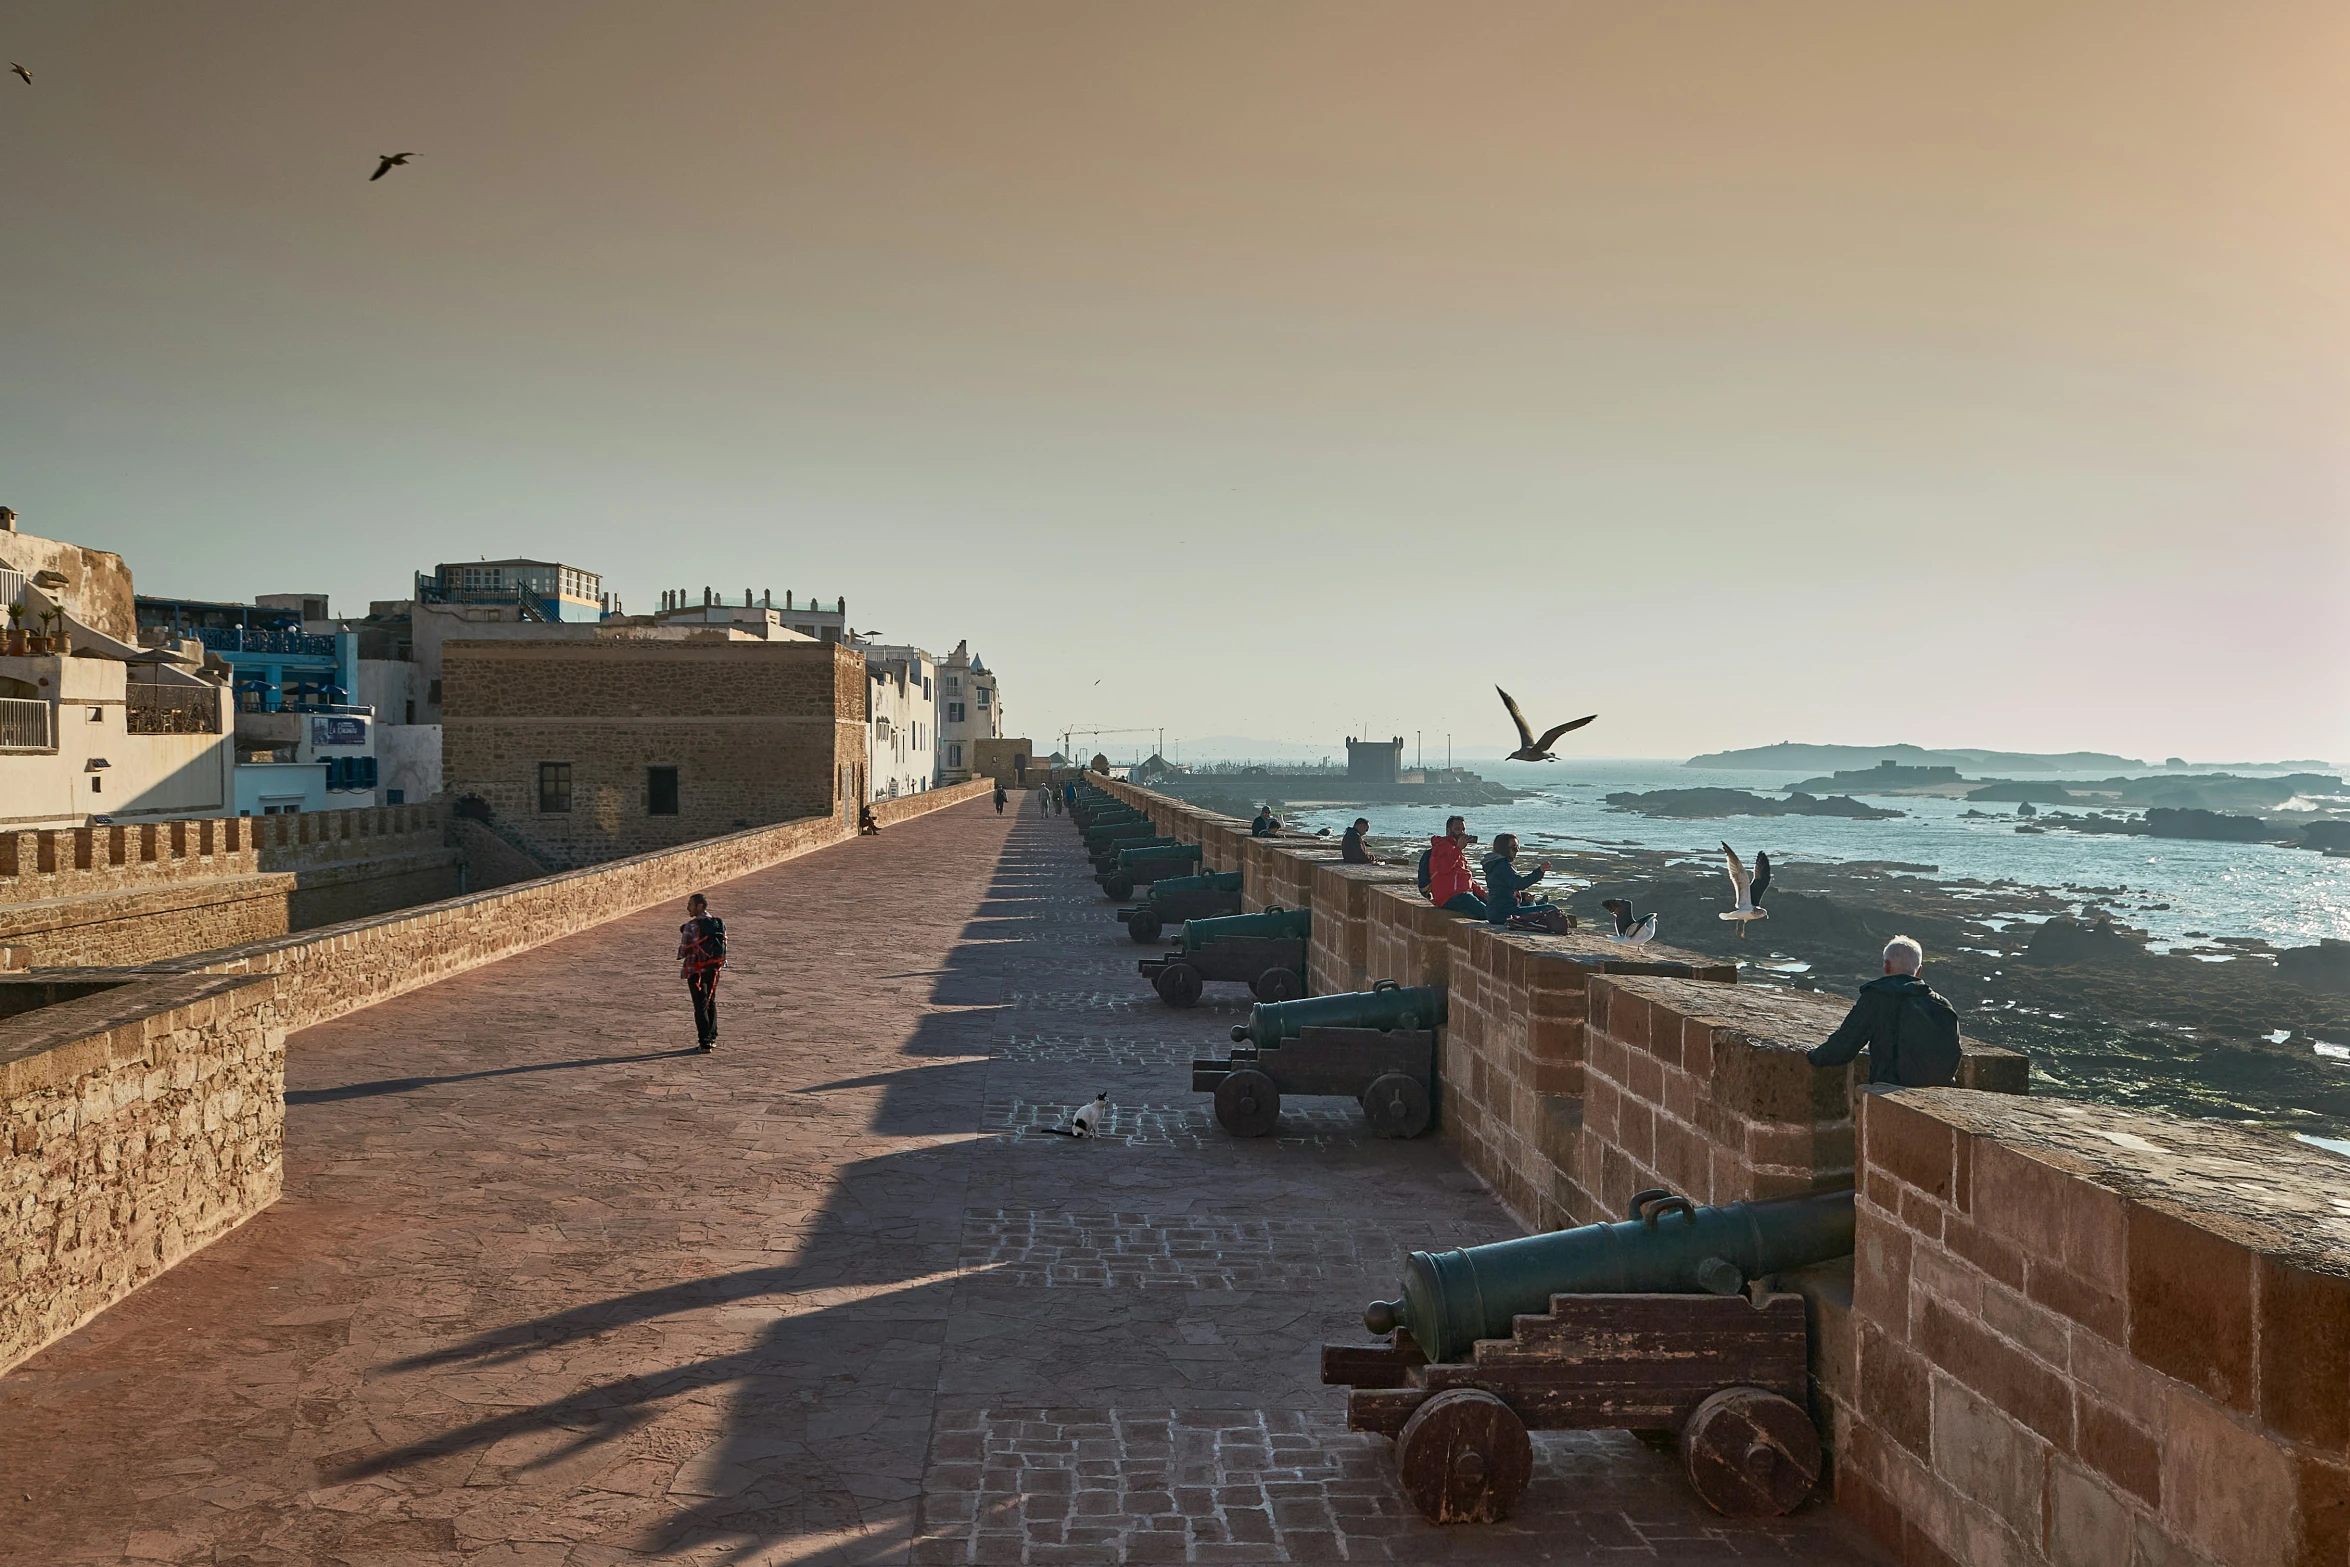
(1910, 1032)
(701, 953)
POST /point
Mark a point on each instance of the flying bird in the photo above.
(389, 159)
(1087, 1122)
(1630, 926)
(1747, 889)
(1529, 749)
(21, 71)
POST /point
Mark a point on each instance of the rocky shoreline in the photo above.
(2228, 1031)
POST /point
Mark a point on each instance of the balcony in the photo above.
(171, 710)
(284, 644)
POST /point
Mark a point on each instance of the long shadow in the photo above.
(405, 1085)
(865, 1241)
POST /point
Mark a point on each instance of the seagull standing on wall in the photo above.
(1530, 749)
(1630, 926)
(1747, 889)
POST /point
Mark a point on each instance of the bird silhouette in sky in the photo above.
(1529, 749)
(21, 71)
(389, 159)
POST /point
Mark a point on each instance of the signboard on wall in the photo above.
(338, 731)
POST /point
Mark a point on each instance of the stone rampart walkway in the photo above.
(549, 1287)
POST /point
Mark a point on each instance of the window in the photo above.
(954, 756)
(433, 693)
(660, 791)
(983, 693)
(954, 712)
(395, 797)
(951, 682)
(554, 786)
(925, 688)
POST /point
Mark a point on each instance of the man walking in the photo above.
(1910, 1032)
(701, 953)
(999, 799)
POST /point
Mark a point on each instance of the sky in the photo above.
(1967, 376)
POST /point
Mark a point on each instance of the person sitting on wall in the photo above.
(1350, 847)
(1508, 900)
(1450, 886)
(1266, 824)
(867, 827)
(1911, 1032)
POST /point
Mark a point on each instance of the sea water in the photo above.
(2286, 897)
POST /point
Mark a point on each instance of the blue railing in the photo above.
(237, 639)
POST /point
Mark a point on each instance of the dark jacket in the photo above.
(1503, 883)
(1869, 1025)
(1351, 850)
(1263, 826)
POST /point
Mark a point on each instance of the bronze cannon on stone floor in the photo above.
(1376, 1047)
(1665, 1322)
(1173, 900)
(1265, 951)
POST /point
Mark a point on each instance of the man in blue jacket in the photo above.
(1911, 1033)
(1503, 884)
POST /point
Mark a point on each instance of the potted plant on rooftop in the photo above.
(50, 641)
(15, 644)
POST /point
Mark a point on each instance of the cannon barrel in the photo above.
(1211, 881)
(1096, 837)
(1159, 853)
(1451, 1299)
(1107, 854)
(1270, 922)
(1098, 821)
(1386, 1005)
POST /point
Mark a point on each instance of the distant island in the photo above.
(1699, 804)
(1791, 757)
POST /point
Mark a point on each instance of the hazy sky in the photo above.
(1970, 375)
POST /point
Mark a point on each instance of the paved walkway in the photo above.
(549, 1287)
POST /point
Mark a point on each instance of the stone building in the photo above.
(630, 739)
(899, 726)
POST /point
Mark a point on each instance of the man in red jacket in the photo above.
(701, 953)
(1450, 886)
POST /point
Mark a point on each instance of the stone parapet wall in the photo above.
(138, 1123)
(1704, 1088)
(74, 862)
(341, 968)
(1338, 958)
(2087, 1335)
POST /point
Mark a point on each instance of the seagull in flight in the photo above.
(389, 160)
(1630, 926)
(1748, 890)
(1529, 749)
(21, 71)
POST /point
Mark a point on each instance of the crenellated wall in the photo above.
(131, 894)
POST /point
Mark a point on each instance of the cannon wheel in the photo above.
(1278, 984)
(1143, 924)
(1396, 1105)
(1463, 1457)
(1247, 1103)
(1178, 984)
(1750, 1453)
(1119, 888)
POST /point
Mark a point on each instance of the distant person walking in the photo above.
(1044, 801)
(1000, 797)
(1069, 795)
(1910, 1032)
(701, 953)
(1350, 847)
(1450, 886)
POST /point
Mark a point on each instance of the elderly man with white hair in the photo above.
(1911, 1033)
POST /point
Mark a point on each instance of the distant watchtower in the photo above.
(1373, 761)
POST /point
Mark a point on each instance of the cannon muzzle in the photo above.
(1270, 923)
(1451, 1299)
(1159, 853)
(1386, 1005)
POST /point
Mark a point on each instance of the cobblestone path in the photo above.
(549, 1287)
